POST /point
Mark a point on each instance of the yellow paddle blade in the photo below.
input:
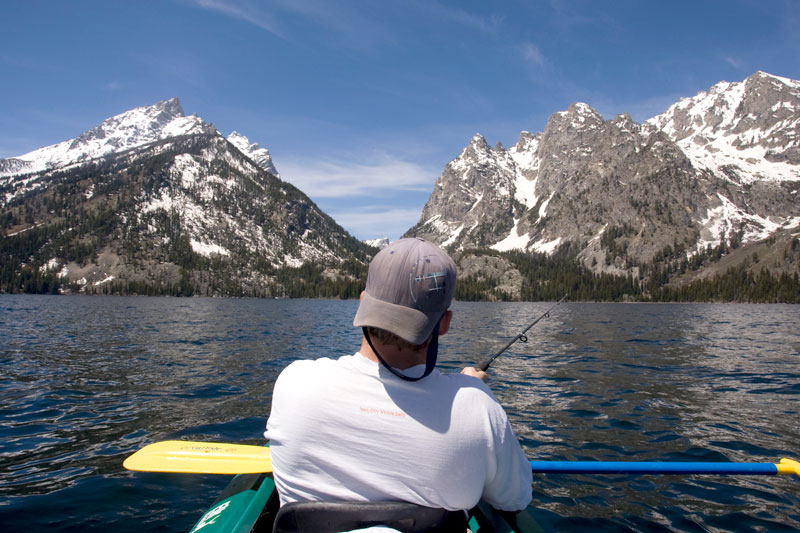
(788, 466)
(181, 456)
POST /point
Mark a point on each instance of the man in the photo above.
(384, 424)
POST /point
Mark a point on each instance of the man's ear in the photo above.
(445, 323)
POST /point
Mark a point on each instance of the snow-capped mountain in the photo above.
(132, 129)
(260, 156)
(137, 127)
(154, 201)
(722, 166)
(383, 242)
(753, 125)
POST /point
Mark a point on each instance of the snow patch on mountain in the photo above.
(748, 131)
(545, 246)
(260, 156)
(454, 234)
(727, 218)
(526, 161)
(514, 241)
(208, 249)
(381, 243)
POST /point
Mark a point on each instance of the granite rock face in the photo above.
(718, 166)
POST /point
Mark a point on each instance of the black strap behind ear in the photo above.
(430, 357)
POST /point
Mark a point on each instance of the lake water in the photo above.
(85, 381)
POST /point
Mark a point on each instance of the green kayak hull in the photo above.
(250, 502)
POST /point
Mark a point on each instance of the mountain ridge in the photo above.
(127, 130)
(714, 170)
(153, 201)
(577, 132)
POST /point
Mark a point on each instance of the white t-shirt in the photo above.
(347, 429)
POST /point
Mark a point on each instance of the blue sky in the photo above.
(363, 103)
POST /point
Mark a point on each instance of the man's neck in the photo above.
(394, 356)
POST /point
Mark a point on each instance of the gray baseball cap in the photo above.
(410, 285)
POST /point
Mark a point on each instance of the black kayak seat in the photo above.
(334, 517)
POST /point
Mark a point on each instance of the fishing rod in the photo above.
(521, 335)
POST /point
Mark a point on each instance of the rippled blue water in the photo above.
(85, 381)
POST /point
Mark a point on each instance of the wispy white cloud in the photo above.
(113, 86)
(252, 12)
(734, 62)
(486, 24)
(343, 18)
(349, 23)
(374, 222)
(353, 25)
(532, 55)
(372, 198)
(375, 196)
(574, 16)
(338, 178)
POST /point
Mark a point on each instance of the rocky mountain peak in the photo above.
(723, 163)
(578, 124)
(766, 101)
(623, 121)
(260, 156)
(141, 125)
(477, 148)
(134, 128)
(578, 116)
(747, 131)
(525, 140)
(477, 154)
(478, 140)
(171, 108)
(153, 202)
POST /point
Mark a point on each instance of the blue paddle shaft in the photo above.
(624, 467)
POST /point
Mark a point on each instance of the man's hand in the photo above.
(475, 372)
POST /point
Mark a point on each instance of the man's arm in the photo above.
(510, 487)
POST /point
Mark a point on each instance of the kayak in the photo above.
(250, 501)
(250, 504)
